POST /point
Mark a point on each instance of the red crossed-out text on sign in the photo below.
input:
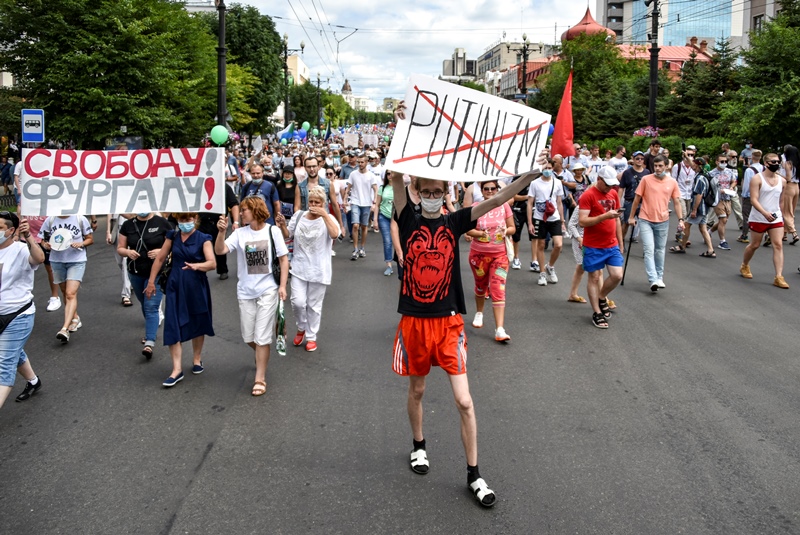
(466, 146)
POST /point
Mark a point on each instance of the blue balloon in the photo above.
(286, 135)
(552, 129)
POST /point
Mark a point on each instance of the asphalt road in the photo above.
(680, 418)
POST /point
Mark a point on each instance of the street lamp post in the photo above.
(525, 50)
(652, 120)
(222, 106)
(286, 51)
(319, 110)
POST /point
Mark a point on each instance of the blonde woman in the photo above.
(313, 231)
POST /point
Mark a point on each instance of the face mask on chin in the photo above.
(257, 181)
(431, 206)
(660, 174)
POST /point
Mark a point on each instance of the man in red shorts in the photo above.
(431, 330)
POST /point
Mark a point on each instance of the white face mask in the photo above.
(431, 206)
(3, 238)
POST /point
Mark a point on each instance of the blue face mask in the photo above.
(547, 173)
(143, 214)
(186, 227)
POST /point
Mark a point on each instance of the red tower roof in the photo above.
(587, 25)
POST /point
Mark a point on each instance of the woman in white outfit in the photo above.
(257, 290)
(312, 230)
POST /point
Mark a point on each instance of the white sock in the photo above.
(34, 381)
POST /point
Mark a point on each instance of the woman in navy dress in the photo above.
(188, 296)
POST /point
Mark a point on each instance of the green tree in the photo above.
(252, 42)
(474, 85)
(11, 106)
(766, 108)
(303, 102)
(240, 84)
(96, 65)
(607, 88)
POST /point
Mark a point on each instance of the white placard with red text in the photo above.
(67, 182)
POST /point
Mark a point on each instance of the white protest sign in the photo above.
(370, 139)
(454, 133)
(350, 140)
(258, 144)
(67, 182)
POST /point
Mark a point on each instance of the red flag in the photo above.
(563, 143)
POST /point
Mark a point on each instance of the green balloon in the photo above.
(219, 134)
(284, 142)
(315, 132)
(386, 138)
(306, 126)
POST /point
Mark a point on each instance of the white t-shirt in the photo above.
(684, 175)
(361, 192)
(593, 167)
(17, 172)
(254, 259)
(377, 170)
(619, 164)
(541, 191)
(78, 226)
(16, 278)
(311, 260)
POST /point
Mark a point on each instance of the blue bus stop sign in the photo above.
(33, 126)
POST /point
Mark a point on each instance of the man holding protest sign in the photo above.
(431, 330)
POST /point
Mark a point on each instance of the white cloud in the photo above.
(378, 61)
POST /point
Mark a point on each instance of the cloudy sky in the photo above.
(396, 39)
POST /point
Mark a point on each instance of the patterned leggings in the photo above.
(490, 271)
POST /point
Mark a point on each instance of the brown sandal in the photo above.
(576, 299)
(259, 388)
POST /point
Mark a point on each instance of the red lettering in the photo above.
(87, 154)
(197, 161)
(170, 162)
(64, 166)
(29, 160)
(112, 164)
(146, 172)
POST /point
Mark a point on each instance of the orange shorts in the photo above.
(424, 342)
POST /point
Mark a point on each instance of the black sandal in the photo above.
(795, 239)
(605, 310)
(147, 352)
(599, 320)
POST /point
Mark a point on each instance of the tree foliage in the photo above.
(609, 94)
(94, 66)
(766, 108)
(252, 42)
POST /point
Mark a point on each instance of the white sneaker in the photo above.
(660, 284)
(551, 274)
(500, 335)
(53, 304)
(477, 322)
(535, 267)
(542, 279)
(160, 316)
(515, 264)
(333, 253)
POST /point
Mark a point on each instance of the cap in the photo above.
(655, 142)
(609, 176)
(372, 155)
(691, 147)
(637, 153)
(578, 165)
(288, 169)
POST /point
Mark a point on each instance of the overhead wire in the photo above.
(307, 35)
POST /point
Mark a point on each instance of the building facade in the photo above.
(458, 64)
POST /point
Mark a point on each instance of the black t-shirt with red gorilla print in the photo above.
(431, 286)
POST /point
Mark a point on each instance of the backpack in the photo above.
(711, 197)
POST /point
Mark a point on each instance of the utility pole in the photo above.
(651, 119)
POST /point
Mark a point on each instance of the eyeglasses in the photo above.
(437, 194)
(489, 189)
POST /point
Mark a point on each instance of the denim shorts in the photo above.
(12, 342)
(67, 271)
(359, 215)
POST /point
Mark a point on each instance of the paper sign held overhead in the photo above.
(454, 133)
(67, 182)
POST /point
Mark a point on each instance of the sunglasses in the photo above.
(773, 162)
(490, 189)
(329, 174)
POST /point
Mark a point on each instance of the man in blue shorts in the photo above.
(602, 242)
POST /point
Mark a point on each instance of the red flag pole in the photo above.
(563, 132)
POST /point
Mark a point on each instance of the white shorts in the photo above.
(257, 317)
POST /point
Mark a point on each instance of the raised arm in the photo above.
(504, 194)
